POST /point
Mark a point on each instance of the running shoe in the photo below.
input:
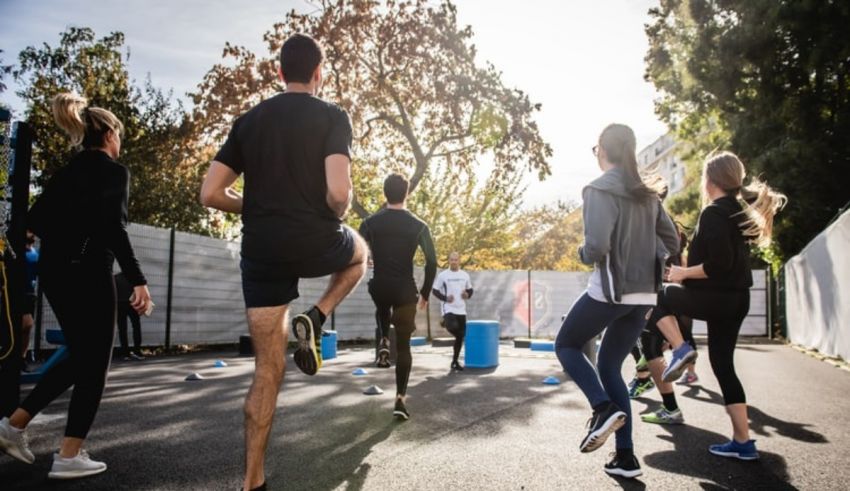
(400, 411)
(383, 354)
(664, 417)
(735, 450)
(14, 442)
(71, 468)
(642, 365)
(683, 356)
(688, 378)
(638, 387)
(601, 425)
(623, 466)
(457, 366)
(308, 333)
(136, 357)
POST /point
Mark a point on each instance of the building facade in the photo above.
(662, 158)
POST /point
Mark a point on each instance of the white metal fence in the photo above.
(207, 306)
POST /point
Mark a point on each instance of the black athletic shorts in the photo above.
(29, 304)
(269, 283)
(455, 324)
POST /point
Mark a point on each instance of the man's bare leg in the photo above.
(269, 336)
(343, 282)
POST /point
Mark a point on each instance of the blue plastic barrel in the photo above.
(328, 345)
(482, 344)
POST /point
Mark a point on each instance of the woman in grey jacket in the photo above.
(627, 235)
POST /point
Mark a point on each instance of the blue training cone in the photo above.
(551, 381)
(359, 371)
(219, 364)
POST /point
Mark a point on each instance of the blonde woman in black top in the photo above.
(715, 284)
(81, 218)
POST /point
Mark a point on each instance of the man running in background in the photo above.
(454, 288)
(293, 151)
(394, 234)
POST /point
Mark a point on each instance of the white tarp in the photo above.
(817, 292)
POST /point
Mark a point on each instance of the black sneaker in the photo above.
(308, 333)
(383, 354)
(457, 366)
(400, 412)
(623, 466)
(600, 427)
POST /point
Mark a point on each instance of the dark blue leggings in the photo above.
(587, 318)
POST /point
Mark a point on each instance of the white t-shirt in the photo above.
(453, 283)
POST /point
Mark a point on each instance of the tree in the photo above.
(547, 238)
(419, 102)
(156, 144)
(767, 79)
(5, 71)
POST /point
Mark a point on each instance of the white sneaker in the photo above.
(74, 467)
(14, 442)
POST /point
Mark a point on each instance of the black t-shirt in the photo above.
(393, 236)
(280, 146)
(720, 246)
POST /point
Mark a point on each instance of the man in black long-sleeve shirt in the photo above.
(394, 234)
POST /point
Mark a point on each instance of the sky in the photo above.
(582, 60)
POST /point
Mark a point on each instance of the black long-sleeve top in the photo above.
(82, 216)
(720, 246)
(393, 236)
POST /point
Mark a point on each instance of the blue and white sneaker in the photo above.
(733, 449)
(683, 356)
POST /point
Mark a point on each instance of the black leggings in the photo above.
(83, 299)
(724, 312)
(125, 311)
(456, 325)
(395, 305)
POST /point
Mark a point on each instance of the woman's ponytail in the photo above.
(67, 112)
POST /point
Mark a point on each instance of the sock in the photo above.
(625, 453)
(670, 401)
(322, 317)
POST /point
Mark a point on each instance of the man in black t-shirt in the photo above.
(293, 151)
(394, 234)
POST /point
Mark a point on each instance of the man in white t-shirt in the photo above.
(454, 288)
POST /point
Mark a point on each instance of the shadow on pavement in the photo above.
(760, 421)
(691, 446)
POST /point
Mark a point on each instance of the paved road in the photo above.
(482, 429)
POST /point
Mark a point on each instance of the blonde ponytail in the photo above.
(763, 202)
(67, 112)
(86, 126)
(726, 171)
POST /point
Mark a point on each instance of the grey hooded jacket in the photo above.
(626, 239)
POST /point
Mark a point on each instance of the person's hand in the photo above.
(464, 295)
(141, 299)
(450, 298)
(423, 304)
(676, 274)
